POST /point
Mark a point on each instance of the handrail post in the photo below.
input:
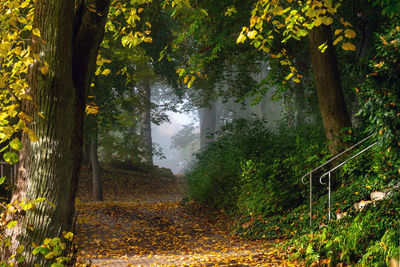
(310, 199)
(329, 196)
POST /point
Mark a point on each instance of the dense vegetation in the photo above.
(86, 91)
(253, 173)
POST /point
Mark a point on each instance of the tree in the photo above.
(67, 35)
(333, 108)
(313, 19)
(94, 161)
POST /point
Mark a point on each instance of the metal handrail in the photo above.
(324, 164)
(344, 162)
(338, 155)
(337, 167)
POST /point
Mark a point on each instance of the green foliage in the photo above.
(370, 237)
(381, 96)
(242, 170)
(52, 251)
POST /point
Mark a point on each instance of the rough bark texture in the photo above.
(49, 167)
(145, 122)
(327, 82)
(94, 159)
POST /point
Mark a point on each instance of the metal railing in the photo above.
(11, 169)
(330, 171)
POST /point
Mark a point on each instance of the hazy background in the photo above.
(162, 137)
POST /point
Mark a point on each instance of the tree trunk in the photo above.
(145, 121)
(207, 118)
(49, 167)
(94, 159)
(327, 82)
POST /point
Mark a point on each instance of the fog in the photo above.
(162, 138)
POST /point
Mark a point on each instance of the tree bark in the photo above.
(49, 168)
(145, 122)
(334, 113)
(94, 159)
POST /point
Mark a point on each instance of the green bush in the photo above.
(380, 95)
(369, 237)
(252, 170)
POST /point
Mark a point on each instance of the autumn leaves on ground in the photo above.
(143, 223)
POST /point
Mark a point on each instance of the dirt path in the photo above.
(156, 230)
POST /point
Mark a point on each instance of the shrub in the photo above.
(252, 170)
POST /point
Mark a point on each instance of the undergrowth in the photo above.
(253, 174)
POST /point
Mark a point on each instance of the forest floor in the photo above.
(143, 223)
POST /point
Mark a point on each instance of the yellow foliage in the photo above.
(338, 31)
(252, 34)
(340, 38)
(36, 32)
(348, 46)
(349, 33)
(241, 38)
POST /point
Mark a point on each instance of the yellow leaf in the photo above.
(349, 33)
(289, 76)
(45, 68)
(31, 134)
(186, 79)
(20, 249)
(318, 21)
(41, 114)
(191, 81)
(4, 47)
(2, 83)
(338, 31)
(323, 47)
(106, 72)
(327, 20)
(24, 4)
(340, 38)
(241, 38)
(252, 34)
(148, 39)
(311, 13)
(36, 32)
(345, 23)
(348, 46)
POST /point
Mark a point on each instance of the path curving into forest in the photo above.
(154, 229)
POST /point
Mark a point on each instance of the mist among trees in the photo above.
(291, 132)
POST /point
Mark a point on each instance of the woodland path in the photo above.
(154, 229)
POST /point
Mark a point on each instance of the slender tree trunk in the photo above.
(49, 167)
(94, 159)
(145, 121)
(207, 116)
(327, 82)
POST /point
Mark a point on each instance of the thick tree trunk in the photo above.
(327, 82)
(145, 121)
(94, 159)
(49, 167)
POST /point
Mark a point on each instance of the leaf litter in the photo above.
(154, 229)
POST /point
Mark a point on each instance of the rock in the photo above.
(340, 215)
(361, 205)
(376, 195)
(394, 262)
